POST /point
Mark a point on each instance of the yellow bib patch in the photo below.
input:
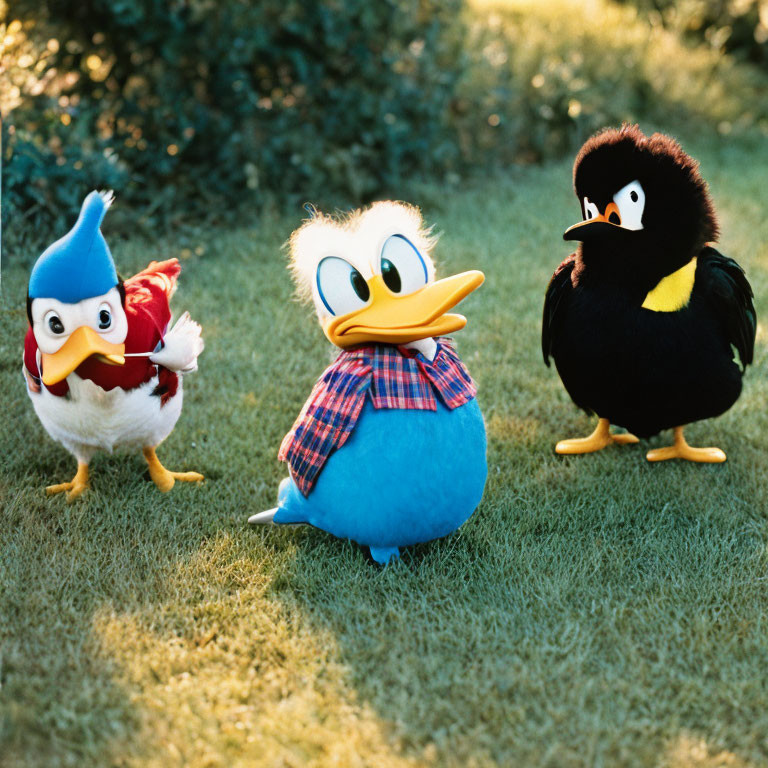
(673, 291)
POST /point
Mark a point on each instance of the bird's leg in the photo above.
(164, 479)
(383, 555)
(599, 439)
(681, 450)
(75, 486)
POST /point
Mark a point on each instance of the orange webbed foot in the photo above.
(75, 487)
(163, 478)
(599, 439)
(681, 450)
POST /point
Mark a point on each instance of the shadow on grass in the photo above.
(139, 628)
(224, 674)
(63, 697)
(577, 619)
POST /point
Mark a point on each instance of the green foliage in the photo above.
(544, 76)
(209, 109)
(207, 103)
(739, 27)
(45, 186)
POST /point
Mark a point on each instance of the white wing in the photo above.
(181, 346)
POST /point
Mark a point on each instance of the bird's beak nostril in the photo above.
(612, 214)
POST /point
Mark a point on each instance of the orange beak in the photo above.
(576, 231)
(83, 343)
(393, 319)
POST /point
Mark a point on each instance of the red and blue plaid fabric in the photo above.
(393, 377)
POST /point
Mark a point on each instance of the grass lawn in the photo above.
(595, 611)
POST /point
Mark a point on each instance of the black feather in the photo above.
(724, 280)
(559, 285)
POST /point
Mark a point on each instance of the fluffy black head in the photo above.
(650, 230)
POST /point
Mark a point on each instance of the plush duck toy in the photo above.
(101, 366)
(649, 326)
(390, 448)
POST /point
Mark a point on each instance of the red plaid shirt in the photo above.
(393, 377)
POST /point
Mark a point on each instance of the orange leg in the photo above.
(681, 450)
(599, 439)
(75, 486)
(165, 479)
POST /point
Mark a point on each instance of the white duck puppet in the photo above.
(390, 448)
(102, 369)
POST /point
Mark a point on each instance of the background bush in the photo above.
(203, 108)
(738, 27)
(193, 106)
(544, 76)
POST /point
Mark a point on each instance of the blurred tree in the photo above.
(201, 103)
(739, 27)
(193, 108)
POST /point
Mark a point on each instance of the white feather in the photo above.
(90, 419)
(182, 346)
(108, 196)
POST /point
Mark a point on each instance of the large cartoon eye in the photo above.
(590, 210)
(341, 287)
(402, 267)
(53, 321)
(630, 201)
(105, 316)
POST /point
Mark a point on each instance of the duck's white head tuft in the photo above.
(358, 238)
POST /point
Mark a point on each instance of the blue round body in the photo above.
(402, 477)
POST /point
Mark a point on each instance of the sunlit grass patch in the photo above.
(222, 674)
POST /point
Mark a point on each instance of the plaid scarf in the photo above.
(393, 377)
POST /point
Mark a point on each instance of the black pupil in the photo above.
(359, 285)
(391, 276)
(105, 319)
(633, 196)
(56, 325)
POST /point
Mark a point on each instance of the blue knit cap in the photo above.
(79, 266)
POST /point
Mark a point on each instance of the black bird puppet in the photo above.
(649, 326)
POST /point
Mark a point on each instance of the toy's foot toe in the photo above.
(382, 555)
(75, 487)
(60, 488)
(163, 478)
(166, 479)
(582, 445)
(187, 477)
(688, 453)
(626, 438)
(72, 489)
(77, 490)
(599, 439)
(681, 450)
(263, 518)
